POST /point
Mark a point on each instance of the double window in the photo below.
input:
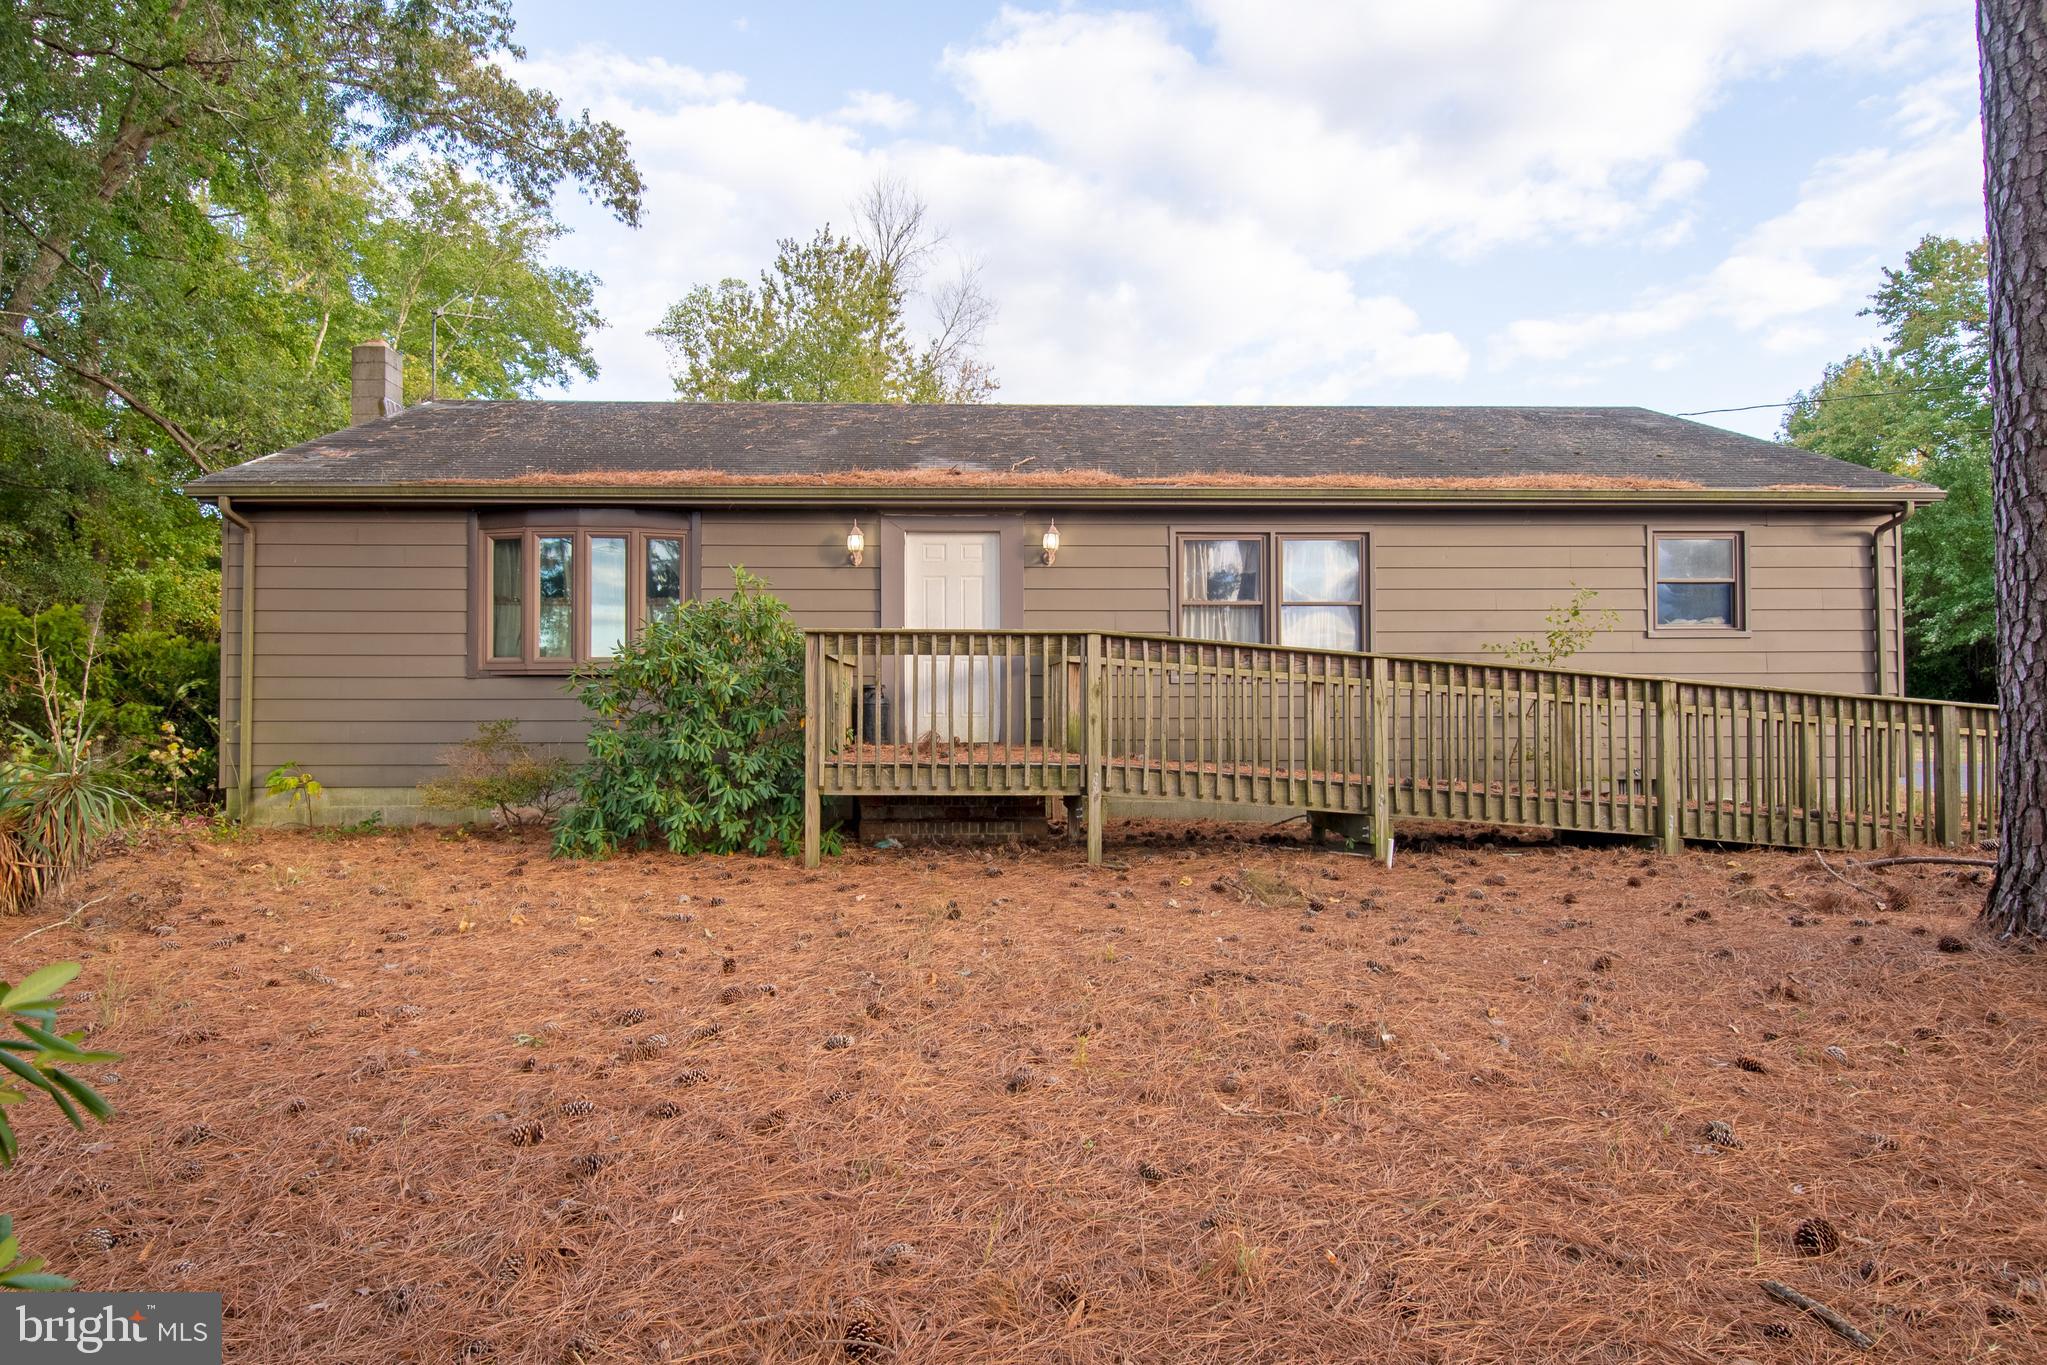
(1697, 580)
(557, 595)
(1291, 589)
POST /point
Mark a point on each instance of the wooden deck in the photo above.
(1126, 722)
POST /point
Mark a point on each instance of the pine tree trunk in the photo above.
(2013, 38)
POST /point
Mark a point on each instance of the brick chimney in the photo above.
(376, 382)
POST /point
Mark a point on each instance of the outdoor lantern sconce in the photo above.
(856, 545)
(1050, 543)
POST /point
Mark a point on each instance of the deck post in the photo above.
(1076, 684)
(1948, 803)
(1379, 740)
(1669, 799)
(813, 740)
(1811, 774)
(1091, 754)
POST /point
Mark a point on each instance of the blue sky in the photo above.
(1467, 201)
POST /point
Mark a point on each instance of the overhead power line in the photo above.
(1830, 398)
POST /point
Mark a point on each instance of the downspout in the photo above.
(245, 653)
(1897, 519)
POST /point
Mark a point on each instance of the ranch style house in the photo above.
(388, 586)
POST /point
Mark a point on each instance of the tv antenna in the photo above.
(446, 310)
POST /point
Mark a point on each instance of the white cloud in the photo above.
(1373, 128)
(878, 108)
(1264, 207)
(1104, 294)
(1817, 258)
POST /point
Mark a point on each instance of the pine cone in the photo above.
(1816, 1237)
(862, 1338)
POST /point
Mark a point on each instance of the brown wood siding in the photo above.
(1449, 585)
(1112, 573)
(362, 669)
(230, 653)
(802, 556)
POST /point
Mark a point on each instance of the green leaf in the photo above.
(26, 1072)
(70, 1110)
(36, 1282)
(50, 1043)
(39, 986)
(84, 1094)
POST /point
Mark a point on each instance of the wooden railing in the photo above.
(1150, 723)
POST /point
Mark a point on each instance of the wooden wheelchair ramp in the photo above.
(1144, 724)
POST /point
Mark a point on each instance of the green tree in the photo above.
(828, 321)
(1919, 405)
(203, 203)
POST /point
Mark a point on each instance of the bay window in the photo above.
(567, 589)
(1305, 589)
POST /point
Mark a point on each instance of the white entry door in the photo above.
(951, 581)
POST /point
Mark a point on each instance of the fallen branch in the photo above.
(1878, 901)
(1905, 862)
(1837, 1324)
(62, 922)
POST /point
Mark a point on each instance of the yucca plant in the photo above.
(40, 1059)
(61, 792)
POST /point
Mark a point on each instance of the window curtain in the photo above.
(1323, 575)
(1214, 573)
(507, 600)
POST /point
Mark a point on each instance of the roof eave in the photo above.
(844, 495)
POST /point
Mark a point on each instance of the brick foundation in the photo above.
(969, 820)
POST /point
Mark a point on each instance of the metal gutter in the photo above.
(884, 496)
(245, 721)
(1876, 542)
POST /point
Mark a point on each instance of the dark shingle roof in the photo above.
(537, 443)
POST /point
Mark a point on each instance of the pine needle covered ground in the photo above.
(422, 1098)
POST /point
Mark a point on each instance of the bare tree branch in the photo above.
(892, 222)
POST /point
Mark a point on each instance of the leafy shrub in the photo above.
(61, 792)
(497, 770)
(697, 735)
(143, 680)
(40, 1058)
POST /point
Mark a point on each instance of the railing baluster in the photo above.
(995, 713)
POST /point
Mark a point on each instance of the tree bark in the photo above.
(2012, 36)
(117, 166)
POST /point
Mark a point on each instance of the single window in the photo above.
(507, 598)
(1222, 589)
(664, 577)
(1698, 581)
(607, 595)
(557, 633)
(1321, 597)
